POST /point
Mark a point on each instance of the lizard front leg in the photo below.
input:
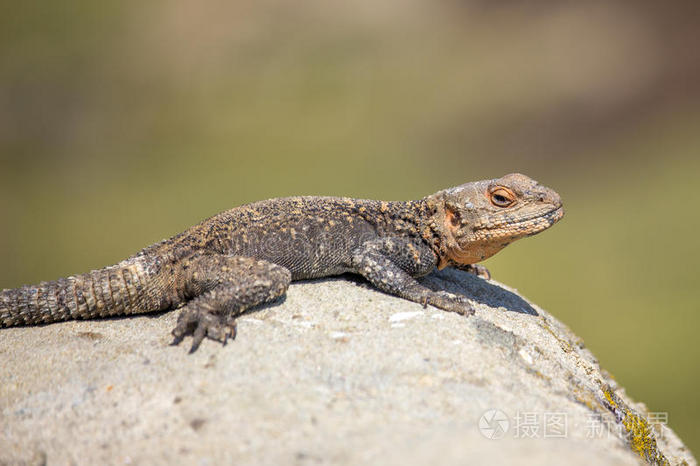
(391, 264)
(222, 287)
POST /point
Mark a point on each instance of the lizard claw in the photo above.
(451, 302)
(201, 324)
(477, 269)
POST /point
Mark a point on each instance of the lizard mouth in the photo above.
(553, 215)
(546, 220)
(529, 225)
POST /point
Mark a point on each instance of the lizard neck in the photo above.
(450, 248)
(405, 218)
(432, 214)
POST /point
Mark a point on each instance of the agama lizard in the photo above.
(247, 256)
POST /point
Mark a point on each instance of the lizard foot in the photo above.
(202, 324)
(450, 302)
(478, 270)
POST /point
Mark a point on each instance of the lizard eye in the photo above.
(502, 197)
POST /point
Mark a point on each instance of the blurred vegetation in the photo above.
(122, 123)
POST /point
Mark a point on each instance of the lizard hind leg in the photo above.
(221, 288)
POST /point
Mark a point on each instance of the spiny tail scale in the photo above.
(116, 290)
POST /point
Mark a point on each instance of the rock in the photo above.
(337, 373)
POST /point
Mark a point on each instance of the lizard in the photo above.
(245, 257)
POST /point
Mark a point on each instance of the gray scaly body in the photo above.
(248, 255)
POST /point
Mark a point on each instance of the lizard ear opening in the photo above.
(452, 218)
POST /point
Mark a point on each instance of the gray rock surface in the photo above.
(338, 373)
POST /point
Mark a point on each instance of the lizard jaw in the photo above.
(484, 242)
(550, 218)
(518, 227)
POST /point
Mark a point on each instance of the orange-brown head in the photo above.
(476, 220)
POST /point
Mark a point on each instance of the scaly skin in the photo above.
(248, 255)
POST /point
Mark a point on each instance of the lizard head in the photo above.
(476, 220)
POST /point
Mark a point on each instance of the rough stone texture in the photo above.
(337, 373)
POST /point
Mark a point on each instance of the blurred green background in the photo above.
(122, 123)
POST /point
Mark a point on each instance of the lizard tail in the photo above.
(115, 290)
